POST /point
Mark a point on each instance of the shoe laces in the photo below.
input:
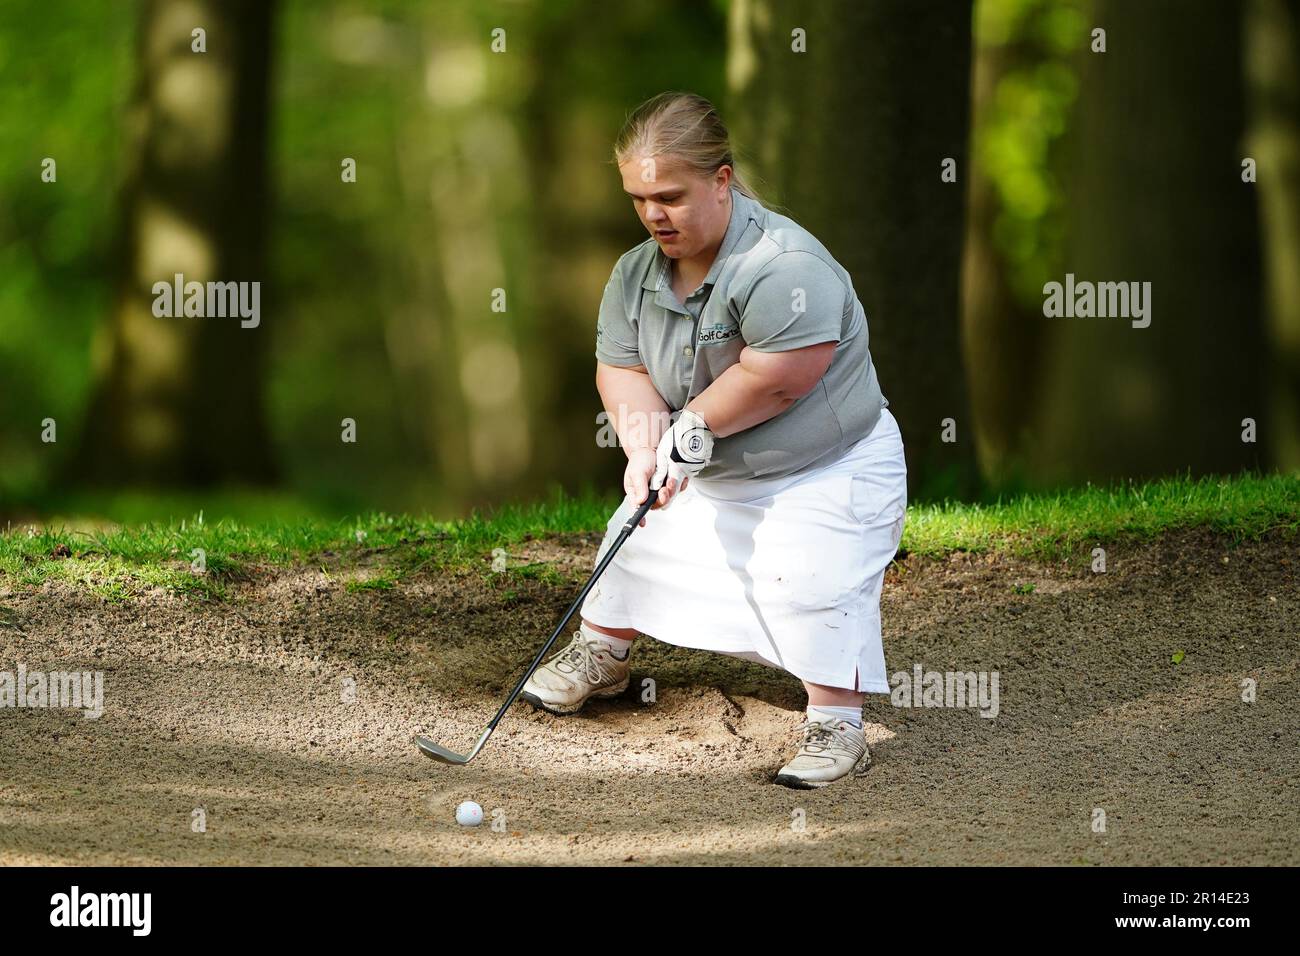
(581, 656)
(821, 735)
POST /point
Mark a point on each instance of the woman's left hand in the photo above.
(684, 450)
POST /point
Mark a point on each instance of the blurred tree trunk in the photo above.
(177, 399)
(852, 134)
(561, 363)
(1273, 73)
(1024, 82)
(1002, 339)
(1156, 196)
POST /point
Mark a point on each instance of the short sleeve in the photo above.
(797, 300)
(615, 335)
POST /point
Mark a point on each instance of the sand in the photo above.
(276, 728)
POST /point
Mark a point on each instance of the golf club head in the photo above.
(437, 752)
(433, 751)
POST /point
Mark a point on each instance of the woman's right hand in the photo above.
(636, 479)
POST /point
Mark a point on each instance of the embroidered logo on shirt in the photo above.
(718, 333)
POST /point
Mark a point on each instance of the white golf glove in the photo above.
(683, 451)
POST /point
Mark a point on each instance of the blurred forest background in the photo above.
(480, 169)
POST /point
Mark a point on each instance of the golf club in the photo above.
(438, 752)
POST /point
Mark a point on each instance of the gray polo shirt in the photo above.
(772, 287)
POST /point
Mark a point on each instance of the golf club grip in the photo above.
(642, 510)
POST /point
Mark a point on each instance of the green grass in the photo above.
(383, 581)
(119, 561)
(1053, 526)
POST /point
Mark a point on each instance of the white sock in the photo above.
(617, 645)
(823, 713)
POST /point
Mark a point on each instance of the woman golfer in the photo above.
(732, 337)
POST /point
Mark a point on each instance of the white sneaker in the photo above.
(586, 668)
(828, 750)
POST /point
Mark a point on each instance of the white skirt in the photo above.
(784, 571)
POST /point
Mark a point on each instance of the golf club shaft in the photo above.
(626, 531)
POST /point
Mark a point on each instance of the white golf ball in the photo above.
(469, 814)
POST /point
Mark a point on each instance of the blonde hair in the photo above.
(685, 126)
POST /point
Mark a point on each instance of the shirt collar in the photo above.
(742, 211)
